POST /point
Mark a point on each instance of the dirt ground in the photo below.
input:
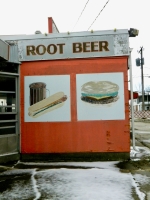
(139, 168)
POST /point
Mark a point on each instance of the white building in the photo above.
(137, 103)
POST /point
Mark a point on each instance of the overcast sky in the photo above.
(27, 16)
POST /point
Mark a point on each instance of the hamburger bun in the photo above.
(100, 92)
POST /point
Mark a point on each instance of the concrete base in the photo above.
(6, 158)
(58, 157)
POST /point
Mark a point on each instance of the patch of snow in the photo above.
(140, 194)
(147, 141)
(102, 181)
(16, 172)
(84, 184)
(18, 187)
(142, 179)
(106, 165)
(35, 187)
(141, 152)
(143, 131)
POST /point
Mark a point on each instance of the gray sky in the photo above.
(27, 16)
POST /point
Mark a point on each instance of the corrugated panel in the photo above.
(75, 136)
(13, 52)
(4, 50)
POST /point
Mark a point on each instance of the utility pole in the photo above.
(140, 62)
(142, 78)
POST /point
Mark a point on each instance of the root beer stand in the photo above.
(79, 95)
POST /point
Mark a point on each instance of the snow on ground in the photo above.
(18, 187)
(100, 181)
(147, 141)
(139, 152)
(85, 184)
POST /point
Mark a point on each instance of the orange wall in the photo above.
(75, 136)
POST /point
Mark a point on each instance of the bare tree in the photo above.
(138, 87)
(147, 89)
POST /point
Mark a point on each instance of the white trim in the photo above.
(62, 35)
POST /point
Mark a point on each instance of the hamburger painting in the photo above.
(100, 96)
(99, 92)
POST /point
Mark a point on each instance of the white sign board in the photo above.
(60, 46)
(100, 96)
(46, 99)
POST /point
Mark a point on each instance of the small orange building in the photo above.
(74, 95)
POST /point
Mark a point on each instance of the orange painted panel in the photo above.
(75, 136)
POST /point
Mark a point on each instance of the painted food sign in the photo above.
(100, 96)
(100, 92)
(46, 105)
(46, 98)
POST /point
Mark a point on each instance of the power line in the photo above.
(80, 14)
(145, 75)
(98, 14)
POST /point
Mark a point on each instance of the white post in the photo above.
(131, 92)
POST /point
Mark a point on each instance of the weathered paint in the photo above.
(52, 28)
(55, 46)
(75, 136)
(73, 47)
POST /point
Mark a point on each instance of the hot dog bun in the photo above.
(51, 103)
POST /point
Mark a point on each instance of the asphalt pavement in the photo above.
(142, 132)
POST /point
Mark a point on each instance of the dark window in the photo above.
(8, 67)
(8, 95)
(7, 128)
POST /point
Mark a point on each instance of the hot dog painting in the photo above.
(47, 98)
(47, 105)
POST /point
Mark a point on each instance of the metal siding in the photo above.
(14, 54)
(75, 136)
(10, 143)
(4, 50)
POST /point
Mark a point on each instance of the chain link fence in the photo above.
(145, 114)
